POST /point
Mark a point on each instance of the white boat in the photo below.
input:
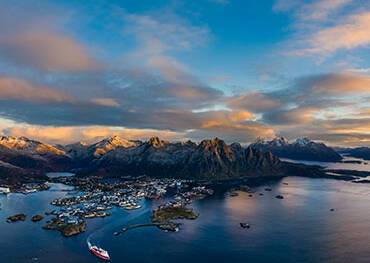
(98, 252)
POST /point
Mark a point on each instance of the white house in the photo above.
(4, 190)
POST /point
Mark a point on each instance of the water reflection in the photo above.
(299, 228)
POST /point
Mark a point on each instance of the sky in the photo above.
(235, 69)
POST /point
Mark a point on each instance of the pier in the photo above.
(126, 228)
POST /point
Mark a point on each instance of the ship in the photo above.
(98, 252)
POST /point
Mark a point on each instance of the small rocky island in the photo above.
(37, 218)
(164, 216)
(66, 228)
(15, 218)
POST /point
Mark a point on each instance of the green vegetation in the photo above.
(166, 214)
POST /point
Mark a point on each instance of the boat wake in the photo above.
(94, 249)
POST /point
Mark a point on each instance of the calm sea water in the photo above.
(300, 228)
(363, 166)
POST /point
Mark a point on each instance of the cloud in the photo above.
(89, 134)
(350, 34)
(341, 132)
(166, 31)
(340, 84)
(46, 50)
(310, 11)
(253, 101)
(109, 102)
(295, 116)
(321, 10)
(22, 90)
(332, 104)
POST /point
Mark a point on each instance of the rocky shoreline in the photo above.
(67, 229)
(165, 216)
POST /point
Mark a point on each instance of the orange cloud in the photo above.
(343, 84)
(47, 50)
(108, 102)
(352, 33)
(65, 135)
(214, 119)
(18, 89)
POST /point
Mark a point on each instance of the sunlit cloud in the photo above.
(22, 90)
(47, 50)
(351, 33)
(109, 102)
(87, 134)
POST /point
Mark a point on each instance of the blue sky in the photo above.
(82, 70)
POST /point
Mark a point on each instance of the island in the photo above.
(164, 216)
(37, 218)
(67, 228)
(15, 218)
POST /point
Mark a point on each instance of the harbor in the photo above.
(91, 198)
(215, 235)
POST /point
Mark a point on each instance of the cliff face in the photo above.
(209, 159)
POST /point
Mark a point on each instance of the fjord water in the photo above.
(299, 228)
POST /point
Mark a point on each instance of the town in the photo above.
(94, 197)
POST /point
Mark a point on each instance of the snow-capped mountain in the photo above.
(34, 156)
(22, 158)
(300, 149)
(210, 158)
(27, 146)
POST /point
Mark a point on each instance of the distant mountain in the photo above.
(208, 159)
(360, 152)
(22, 159)
(29, 154)
(301, 149)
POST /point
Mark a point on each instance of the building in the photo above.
(4, 190)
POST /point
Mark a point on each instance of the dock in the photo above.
(126, 228)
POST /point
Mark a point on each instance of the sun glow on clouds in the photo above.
(46, 50)
(53, 88)
(66, 135)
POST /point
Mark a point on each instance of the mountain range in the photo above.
(300, 149)
(23, 159)
(359, 152)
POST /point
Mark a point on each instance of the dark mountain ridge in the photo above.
(25, 159)
(301, 149)
(359, 152)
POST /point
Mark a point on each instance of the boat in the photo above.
(98, 252)
(245, 225)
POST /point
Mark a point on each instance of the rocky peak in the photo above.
(110, 144)
(156, 142)
(260, 140)
(26, 145)
(303, 141)
(188, 143)
(115, 141)
(280, 141)
(217, 147)
(212, 143)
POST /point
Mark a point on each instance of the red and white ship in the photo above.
(98, 252)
